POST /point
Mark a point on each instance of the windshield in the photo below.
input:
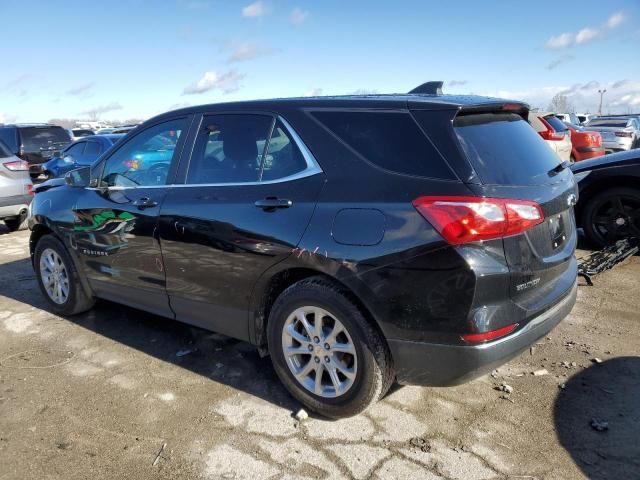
(34, 138)
(504, 149)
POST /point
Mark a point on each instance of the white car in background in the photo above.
(618, 133)
(553, 131)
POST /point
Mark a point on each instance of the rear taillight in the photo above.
(624, 134)
(29, 189)
(17, 165)
(550, 133)
(470, 219)
(488, 336)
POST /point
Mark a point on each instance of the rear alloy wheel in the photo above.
(58, 279)
(17, 223)
(612, 215)
(324, 350)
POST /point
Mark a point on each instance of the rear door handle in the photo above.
(271, 203)
(144, 202)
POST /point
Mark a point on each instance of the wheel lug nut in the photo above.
(326, 359)
(310, 347)
(316, 339)
(317, 359)
(327, 346)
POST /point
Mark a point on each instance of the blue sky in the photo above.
(118, 60)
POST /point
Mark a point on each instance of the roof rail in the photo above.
(429, 88)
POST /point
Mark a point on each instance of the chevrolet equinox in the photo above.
(359, 241)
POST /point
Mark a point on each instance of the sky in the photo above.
(139, 58)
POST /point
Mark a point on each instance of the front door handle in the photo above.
(144, 202)
(271, 203)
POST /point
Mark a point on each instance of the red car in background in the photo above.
(584, 144)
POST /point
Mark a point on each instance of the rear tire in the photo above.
(17, 223)
(52, 262)
(601, 213)
(363, 376)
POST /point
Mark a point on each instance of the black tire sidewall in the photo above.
(366, 388)
(68, 307)
(595, 203)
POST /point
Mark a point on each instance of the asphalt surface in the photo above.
(99, 395)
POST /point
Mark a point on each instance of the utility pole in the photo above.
(601, 92)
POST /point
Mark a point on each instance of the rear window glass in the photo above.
(608, 123)
(504, 149)
(35, 137)
(557, 124)
(390, 140)
(4, 151)
(82, 133)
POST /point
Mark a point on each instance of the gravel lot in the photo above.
(100, 394)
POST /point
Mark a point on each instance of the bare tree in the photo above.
(560, 104)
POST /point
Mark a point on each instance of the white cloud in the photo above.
(244, 51)
(255, 9)
(313, 92)
(563, 40)
(615, 20)
(584, 35)
(227, 82)
(298, 16)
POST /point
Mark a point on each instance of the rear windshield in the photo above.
(608, 123)
(82, 133)
(391, 140)
(557, 124)
(504, 149)
(33, 138)
(4, 151)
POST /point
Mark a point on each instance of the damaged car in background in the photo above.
(361, 240)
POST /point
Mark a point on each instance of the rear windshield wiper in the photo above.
(556, 170)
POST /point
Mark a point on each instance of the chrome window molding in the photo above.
(313, 168)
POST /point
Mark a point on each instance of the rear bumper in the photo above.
(430, 364)
(584, 153)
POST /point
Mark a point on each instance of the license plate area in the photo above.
(557, 230)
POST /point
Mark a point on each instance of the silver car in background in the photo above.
(618, 133)
(16, 189)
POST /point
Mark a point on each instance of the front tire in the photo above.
(58, 278)
(611, 215)
(21, 222)
(324, 350)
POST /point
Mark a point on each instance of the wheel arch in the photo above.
(282, 280)
(601, 185)
(38, 231)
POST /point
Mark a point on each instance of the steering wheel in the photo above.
(157, 174)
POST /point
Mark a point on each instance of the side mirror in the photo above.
(80, 177)
(67, 159)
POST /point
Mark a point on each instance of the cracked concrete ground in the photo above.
(98, 395)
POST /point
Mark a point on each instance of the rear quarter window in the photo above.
(390, 140)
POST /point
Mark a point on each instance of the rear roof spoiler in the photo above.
(429, 88)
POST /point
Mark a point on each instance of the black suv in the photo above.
(358, 240)
(34, 142)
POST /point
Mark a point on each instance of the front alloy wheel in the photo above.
(54, 276)
(319, 352)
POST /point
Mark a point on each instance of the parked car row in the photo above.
(39, 143)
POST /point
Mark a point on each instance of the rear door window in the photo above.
(390, 140)
(504, 149)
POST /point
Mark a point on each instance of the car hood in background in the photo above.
(630, 157)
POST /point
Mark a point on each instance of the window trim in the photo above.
(313, 167)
